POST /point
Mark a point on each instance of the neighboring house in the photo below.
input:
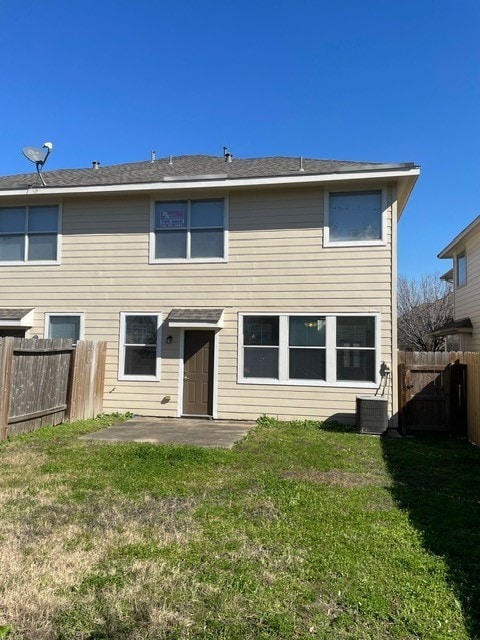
(225, 288)
(463, 334)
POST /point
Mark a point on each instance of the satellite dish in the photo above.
(38, 156)
(34, 154)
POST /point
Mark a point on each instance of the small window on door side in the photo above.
(139, 348)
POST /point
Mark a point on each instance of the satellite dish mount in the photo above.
(39, 157)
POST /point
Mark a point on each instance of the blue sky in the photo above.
(372, 80)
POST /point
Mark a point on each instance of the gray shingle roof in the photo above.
(456, 326)
(191, 167)
(195, 315)
(13, 314)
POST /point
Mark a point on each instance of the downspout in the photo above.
(394, 274)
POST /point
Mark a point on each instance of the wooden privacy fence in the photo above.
(49, 381)
(472, 360)
(439, 391)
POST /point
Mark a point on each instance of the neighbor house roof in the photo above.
(194, 167)
(455, 326)
(459, 242)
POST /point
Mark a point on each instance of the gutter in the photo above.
(224, 183)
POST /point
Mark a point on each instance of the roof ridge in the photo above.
(189, 166)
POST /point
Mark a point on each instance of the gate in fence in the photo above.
(432, 392)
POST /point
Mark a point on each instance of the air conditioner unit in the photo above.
(372, 415)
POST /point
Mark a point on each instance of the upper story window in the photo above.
(29, 234)
(354, 218)
(461, 269)
(188, 230)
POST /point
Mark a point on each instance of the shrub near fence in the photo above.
(49, 381)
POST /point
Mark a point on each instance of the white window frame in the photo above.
(330, 348)
(188, 201)
(122, 345)
(458, 257)
(26, 262)
(354, 243)
(55, 314)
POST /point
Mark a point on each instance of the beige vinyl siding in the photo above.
(276, 264)
(467, 297)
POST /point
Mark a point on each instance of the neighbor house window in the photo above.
(29, 234)
(453, 342)
(461, 269)
(139, 346)
(309, 349)
(189, 230)
(64, 325)
(354, 217)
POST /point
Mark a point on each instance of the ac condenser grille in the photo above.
(372, 415)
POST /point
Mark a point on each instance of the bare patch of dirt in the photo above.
(340, 478)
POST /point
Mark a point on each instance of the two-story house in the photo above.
(463, 334)
(225, 288)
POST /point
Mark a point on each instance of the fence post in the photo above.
(87, 381)
(74, 383)
(6, 361)
(99, 383)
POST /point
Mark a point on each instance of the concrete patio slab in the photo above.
(198, 432)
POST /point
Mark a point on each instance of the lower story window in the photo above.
(356, 348)
(306, 346)
(139, 346)
(289, 348)
(64, 325)
(261, 346)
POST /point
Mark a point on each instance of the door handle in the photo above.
(186, 378)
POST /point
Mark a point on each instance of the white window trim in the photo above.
(77, 314)
(121, 345)
(353, 243)
(226, 217)
(331, 352)
(59, 241)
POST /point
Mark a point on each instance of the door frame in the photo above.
(181, 367)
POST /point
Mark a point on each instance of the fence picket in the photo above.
(48, 381)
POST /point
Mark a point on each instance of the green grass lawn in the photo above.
(299, 531)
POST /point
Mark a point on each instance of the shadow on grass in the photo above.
(437, 481)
